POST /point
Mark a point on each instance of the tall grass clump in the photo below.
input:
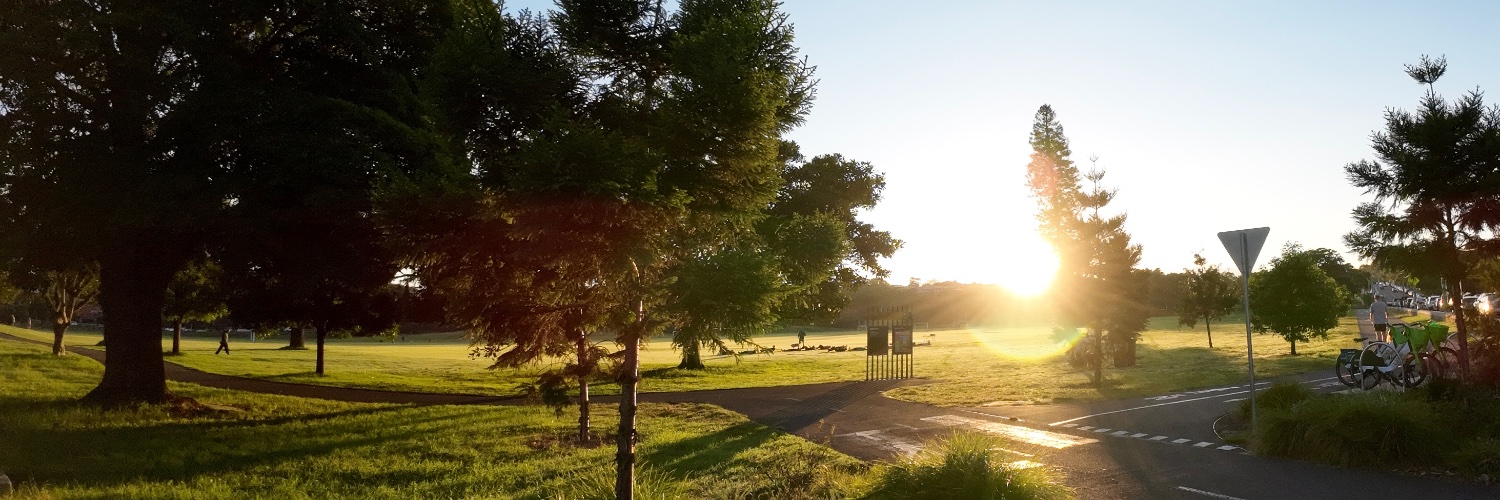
(1280, 397)
(1366, 430)
(964, 466)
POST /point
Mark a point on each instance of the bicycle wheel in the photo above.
(1413, 370)
(1376, 361)
(1447, 360)
(1347, 370)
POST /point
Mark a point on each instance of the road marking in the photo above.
(1104, 429)
(1229, 447)
(1120, 433)
(1180, 441)
(1070, 425)
(1203, 444)
(1209, 494)
(907, 448)
(1086, 427)
(1023, 464)
(1235, 399)
(1139, 434)
(1158, 438)
(1021, 453)
(1016, 432)
(1183, 400)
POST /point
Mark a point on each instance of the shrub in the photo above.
(1367, 429)
(650, 484)
(1480, 456)
(963, 466)
(1280, 397)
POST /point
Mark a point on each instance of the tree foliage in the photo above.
(1295, 298)
(196, 293)
(1436, 187)
(1098, 286)
(640, 153)
(1208, 294)
(219, 117)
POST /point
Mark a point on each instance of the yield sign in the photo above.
(1244, 246)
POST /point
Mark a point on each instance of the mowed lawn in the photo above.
(970, 367)
(265, 446)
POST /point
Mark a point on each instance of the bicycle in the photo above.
(1409, 359)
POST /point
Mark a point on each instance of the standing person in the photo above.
(223, 342)
(1377, 316)
(801, 338)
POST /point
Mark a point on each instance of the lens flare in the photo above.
(1026, 343)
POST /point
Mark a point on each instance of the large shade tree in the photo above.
(1436, 188)
(1295, 298)
(658, 154)
(202, 109)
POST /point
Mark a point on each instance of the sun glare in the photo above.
(1025, 266)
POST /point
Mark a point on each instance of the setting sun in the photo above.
(1024, 266)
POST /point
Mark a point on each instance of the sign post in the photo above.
(888, 343)
(1244, 246)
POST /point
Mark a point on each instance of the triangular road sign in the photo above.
(1244, 246)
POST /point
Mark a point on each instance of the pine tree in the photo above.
(1097, 285)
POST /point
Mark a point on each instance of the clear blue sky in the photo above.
(1208, 116)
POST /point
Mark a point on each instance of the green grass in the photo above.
(289, 448)
(971, 367)
(965, 466)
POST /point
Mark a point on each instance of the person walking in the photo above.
(1378, 317)
(223, 342)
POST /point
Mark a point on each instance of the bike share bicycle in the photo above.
(1412, 356)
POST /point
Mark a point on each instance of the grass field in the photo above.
(290, 448)
(971, 367)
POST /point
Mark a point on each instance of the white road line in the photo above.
(1229, 447)
(1103, 429)
(1138, 434)
(1203, 444)
(1070, 425)
(1209, 494)
(1119, 433)
(1180, 441)
(1158, 438)
(907, 448)
(1016, 432)
(1086, 427)
(1181, 401)
(1235, 399)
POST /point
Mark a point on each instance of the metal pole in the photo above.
(1249, 343)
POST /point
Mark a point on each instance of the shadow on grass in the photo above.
(707, 451)
(183, 450)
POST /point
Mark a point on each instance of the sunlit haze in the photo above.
(1208, 116)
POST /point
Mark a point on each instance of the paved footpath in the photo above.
(1156, 447)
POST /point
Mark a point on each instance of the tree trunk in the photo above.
(692, 357)
(582, 342)
(1208, 324)
(132, 292)
(322, 333)
(177, 335)
(298, 341)
(625, 439)
(58, 329)
(1456, 290)
(1098, 358)
(1124, 351)
(1294, 348)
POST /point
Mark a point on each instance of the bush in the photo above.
(1280, 397)
(1481, 456)
(963, 466)
(1367, 429)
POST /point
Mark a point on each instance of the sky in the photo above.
(1207, 116)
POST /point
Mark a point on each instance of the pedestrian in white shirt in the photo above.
(1377, 316)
